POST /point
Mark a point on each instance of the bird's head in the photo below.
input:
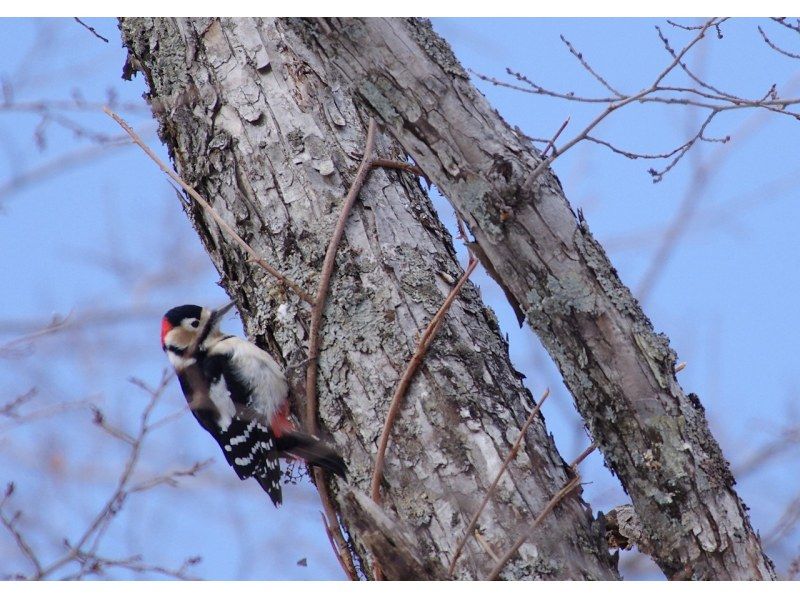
(186, 327)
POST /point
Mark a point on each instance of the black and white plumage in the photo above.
(238, 393)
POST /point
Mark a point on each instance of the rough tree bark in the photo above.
(621, 373)
(272, 139)
(266, 117)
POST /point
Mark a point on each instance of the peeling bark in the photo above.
(263, 126)
(654, 436)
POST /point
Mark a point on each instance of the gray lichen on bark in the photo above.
(260, 124)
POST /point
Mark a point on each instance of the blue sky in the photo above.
(99, 232)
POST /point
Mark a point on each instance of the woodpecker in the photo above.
(238, 393)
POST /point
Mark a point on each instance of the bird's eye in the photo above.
(195, 323)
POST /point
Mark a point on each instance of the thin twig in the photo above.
(589, 69)
(331, 541)
(405, 381)
(685, 68)
(551, 144)
(92, 29)
(690, 203)
(342, 552)
(548, 508)
(775, 47)
(10, 409)
(782, 21)
(397, 165)
(209, 210)
(511, 454)
(580, 458)
(171, 478)
(100, 420)
(486, 546)
(684, 27)
(704, 95)
(60, 164)
(55, 325)
(11, 525)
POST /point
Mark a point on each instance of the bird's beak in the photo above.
(217, 314)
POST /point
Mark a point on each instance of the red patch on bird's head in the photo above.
(166, 326)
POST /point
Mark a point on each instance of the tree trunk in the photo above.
(653, 436)
(271, 134)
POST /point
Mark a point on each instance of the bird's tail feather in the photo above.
(313, 451)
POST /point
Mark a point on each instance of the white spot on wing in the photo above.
(221, 397)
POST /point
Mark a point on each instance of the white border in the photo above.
(441, 8)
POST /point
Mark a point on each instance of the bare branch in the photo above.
(705, 96)
(589, 69)
(92, 29)
(775, 47)
(689, 204)
(551, 143)
(10, 408)
(580, 458)
(171, 478)
(345, 562)
(84, 550)
(783, 21)
(10, 523)
(685, 67)
(94, 564)
(99, 420)
(8, 349)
